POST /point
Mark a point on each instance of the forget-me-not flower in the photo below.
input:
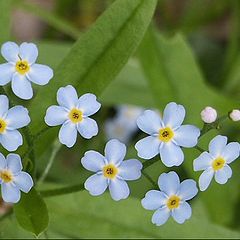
(11, 120)
(73, 114)
(167, 135)
(111, 171)
(171, 199)
(22, 70)
(215, 162)
(13, 179)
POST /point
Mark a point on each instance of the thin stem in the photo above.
(34, 139)
(56, 148)
(149, 179)
(199, 149)
(62, 191)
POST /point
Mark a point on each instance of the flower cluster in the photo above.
(167, 135)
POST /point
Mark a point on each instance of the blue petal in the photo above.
(171, 154)
(187, 136)
(169, 183)
(23, 181)
(10, 51)
(93, 161)
(96, 184)
(205, 179)
(182, 213)
(222, 175)
(10, 193)
(160, 216)
(56, 115)
(67, 97)
(216, 145)
(231, 152)
(3, 162)
(17, 117)
(68, 134)
(6, 73)
(22, 87)
(88, 104)
(4, 105)
(11, 140)
(188, 189)
(40, 74)
(115, 151)
(148, 147)
(118, 189)
(130, 169)
(14, 163)
(28, 52)
(203, 162)
(173, 115)
(88, 128)
(149, 122)
(154, 199)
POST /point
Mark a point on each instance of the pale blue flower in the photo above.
(171, 200)
(22, 70)
(73, 114)
(111, 171)
(167, 135)
(123, 126)
(13, 179)
(215, 162)
(11, 120)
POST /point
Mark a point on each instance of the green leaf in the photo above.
(5, 14)
(89, 216)
(98, 56)
(173, 75)
(31, 212)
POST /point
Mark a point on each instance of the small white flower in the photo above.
(21, 68)
(171, 200)
(111, 171)
(13, 179)
(235, 115)
(209, 115)
(11, 120)
(123, 125)
(73, 114)
(167, 135)
(215, 162)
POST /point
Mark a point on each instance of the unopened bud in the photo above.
(209, 115)
(235, 115)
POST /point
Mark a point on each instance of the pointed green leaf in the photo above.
(31, 212)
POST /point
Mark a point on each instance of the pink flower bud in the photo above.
(209, 115)
(235, 115)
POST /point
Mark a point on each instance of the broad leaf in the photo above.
(31, 212)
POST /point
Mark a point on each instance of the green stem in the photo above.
(62, 191)
(149, 179)
(56, 148)
(199, 149)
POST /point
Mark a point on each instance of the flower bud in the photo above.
(235, 115)
(209, 115)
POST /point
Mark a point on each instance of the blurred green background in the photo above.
(191, 55)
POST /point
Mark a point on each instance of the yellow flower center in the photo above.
(173, 202)
(218, 163)
(165, 134)
(75, 115)
(3, 125)
(110, 171)
(6, 176)
(22, 67)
